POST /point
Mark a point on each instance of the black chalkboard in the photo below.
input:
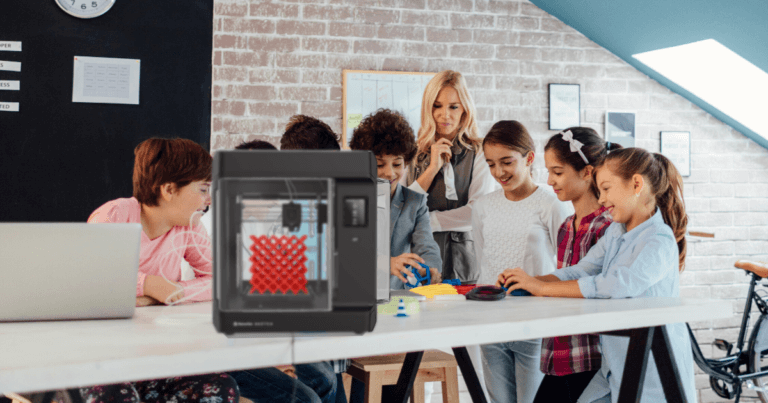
(61, 160)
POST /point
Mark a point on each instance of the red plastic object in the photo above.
(464, 289)
(278, 264)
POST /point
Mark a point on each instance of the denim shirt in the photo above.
(410, 230)
(640, 263)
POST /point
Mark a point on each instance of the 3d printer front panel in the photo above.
(276, 230)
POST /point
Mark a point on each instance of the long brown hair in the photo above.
(666, 186)
(469, 134)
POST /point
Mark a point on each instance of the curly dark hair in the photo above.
(385, 133)
(307, 133)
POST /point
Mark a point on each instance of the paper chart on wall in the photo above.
(368, 91)
(106, 80)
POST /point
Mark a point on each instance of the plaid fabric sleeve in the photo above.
(577, 353)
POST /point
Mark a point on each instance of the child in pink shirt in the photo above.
(162, 256)
(171, 181)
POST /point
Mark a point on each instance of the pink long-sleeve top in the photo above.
(163, 254)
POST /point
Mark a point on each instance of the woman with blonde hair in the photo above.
(450, 168)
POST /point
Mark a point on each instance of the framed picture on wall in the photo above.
(564, 106)
(677, 147)
(620, 128)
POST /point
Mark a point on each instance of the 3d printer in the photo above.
(294, 241)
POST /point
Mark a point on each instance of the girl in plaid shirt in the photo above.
(570, 362)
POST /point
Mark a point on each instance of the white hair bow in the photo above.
(575, 145)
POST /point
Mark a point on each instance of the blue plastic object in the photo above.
(452, 281)
(419, 278)
(518, 293)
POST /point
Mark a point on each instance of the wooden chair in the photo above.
(375, 372)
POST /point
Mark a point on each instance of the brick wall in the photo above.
(273, 59)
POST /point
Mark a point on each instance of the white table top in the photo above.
(171, 341)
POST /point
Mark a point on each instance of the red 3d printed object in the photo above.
(278, 264)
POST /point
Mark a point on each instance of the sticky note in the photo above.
(353, 120)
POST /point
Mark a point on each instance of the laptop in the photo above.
(66, 271)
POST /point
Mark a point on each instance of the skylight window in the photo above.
(719, 77)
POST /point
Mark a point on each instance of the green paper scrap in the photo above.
(390, 308)
(353, 120)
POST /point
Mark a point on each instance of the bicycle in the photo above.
(742, 365)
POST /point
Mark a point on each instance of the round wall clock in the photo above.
(85, 8)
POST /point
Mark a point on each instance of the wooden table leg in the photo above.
(451, 386)
(417, 393)
(407, 376)
(373, 385)
(469, 374)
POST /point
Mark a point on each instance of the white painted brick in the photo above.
(758, 233)
(728, 204)
(714, 248)
(731, 234)
(713, 190)
(758, 204)
(752, 190)
(710, 219)
(751, 218)
(696, 205)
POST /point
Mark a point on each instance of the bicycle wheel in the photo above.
(758, 355)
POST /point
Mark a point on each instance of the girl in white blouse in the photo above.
(514, 227)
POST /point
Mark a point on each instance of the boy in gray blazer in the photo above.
(391, 139)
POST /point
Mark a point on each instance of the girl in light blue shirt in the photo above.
(641, 255)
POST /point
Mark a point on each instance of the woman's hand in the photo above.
(440, 153)
(397, 265)
(289, 370)
(161, 289)
(517, 279)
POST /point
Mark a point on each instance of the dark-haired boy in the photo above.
(389, 136)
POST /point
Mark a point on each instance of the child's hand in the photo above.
(434, 276)
(397, 265)
(501, 280)
(164, 291)
(289, 370)
(146, 301)
(517, 279)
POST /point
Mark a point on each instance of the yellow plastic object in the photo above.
(430, 291)
(390, 308)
